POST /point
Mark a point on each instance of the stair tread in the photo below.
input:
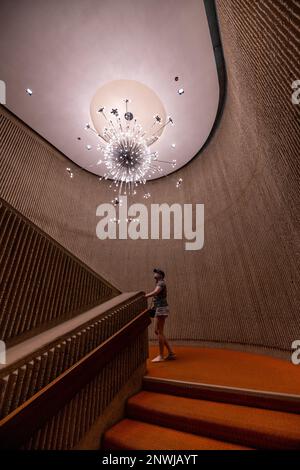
(227, 367)
(267, 422)
(130, 434)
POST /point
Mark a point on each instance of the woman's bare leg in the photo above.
(168, 346)
(161, 337)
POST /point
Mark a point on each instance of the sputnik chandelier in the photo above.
(128, 160)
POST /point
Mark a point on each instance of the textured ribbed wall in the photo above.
(243, 286)
(41, 283)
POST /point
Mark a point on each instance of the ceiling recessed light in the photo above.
(180, 91)
(29, 91)
(173, 146)
(88, 147)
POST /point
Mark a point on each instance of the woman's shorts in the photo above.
(162, 311)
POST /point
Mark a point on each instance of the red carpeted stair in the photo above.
(136, 435)
(243, 425)
(171, 414)
(162, 421)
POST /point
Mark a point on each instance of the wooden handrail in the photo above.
(18, 426)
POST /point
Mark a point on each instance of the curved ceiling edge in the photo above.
(213, 23)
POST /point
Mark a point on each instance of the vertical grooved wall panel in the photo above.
(41, 282)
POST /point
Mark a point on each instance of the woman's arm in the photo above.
(156, 291)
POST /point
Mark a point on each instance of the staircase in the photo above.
(174, 420)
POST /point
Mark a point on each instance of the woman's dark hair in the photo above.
(159, 271)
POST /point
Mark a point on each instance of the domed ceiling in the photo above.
(76, 57)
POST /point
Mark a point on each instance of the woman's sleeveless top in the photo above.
(160, 299)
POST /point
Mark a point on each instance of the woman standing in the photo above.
(162, 311)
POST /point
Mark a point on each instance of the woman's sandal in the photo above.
(158, 359)
(170, 357)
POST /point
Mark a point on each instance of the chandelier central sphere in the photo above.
(125, 143)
